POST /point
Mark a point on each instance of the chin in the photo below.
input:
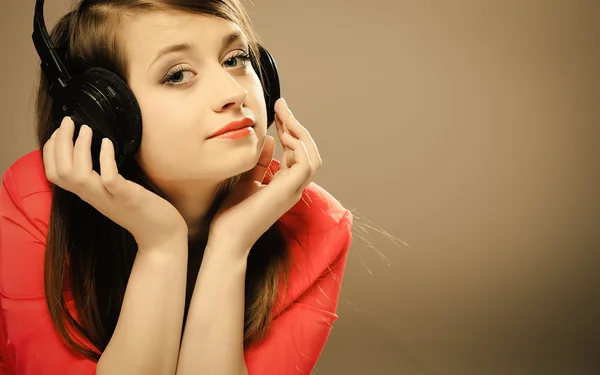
(245, 160)
(231, 162)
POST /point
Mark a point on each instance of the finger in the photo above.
(287, 160)
(298, 150)
(49, 159)
(63, 149)
(280, 120)
(264, 161)
(293, 126)
(109, 173)
(280, 130)
(82, 157)
(287, 141)
(301, 168)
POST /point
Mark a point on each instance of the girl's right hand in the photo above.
(151, 220)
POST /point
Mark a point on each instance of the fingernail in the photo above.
(84, 130)
(284, 102)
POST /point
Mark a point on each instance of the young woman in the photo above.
(199, 255)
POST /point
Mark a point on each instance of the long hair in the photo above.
(90, 254)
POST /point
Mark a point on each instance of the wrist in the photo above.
(173, 246)
(226, 250)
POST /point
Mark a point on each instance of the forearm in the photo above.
(147, 335)
(213, 338)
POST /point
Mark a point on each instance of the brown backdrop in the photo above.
(467, 129)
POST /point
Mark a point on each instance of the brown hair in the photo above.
(88, 251)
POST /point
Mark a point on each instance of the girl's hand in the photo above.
(151, 220)
(251, 207)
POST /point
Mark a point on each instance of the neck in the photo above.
(193, 200)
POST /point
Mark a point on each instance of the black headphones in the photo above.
(102, 100)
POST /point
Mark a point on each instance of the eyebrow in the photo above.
(227, 41)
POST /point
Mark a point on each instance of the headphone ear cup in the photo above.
(125, 107)
(102, 100)
(270, 82)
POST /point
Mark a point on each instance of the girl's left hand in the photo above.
(251, 207)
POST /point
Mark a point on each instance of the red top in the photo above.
(29, 344)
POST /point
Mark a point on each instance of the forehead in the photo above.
(144, 34)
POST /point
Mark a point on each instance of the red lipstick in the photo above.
(235, 129)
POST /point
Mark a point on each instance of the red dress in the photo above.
(29, 344)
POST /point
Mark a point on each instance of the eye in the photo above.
(177, 75)
(241, 59)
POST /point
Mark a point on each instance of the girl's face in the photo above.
(191, 76)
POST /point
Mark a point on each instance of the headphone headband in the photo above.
(52, 65)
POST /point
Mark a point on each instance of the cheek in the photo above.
(258, 97)
(158, 109)
(167, 118)
(166, 134)
(257, 90)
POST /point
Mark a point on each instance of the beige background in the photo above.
(468, 129)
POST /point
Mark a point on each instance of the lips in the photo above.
(233, 126)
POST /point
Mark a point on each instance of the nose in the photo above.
(227, 91)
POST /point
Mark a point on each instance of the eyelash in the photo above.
(244, 56)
